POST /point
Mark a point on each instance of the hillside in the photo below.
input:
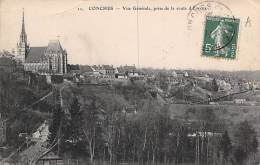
(133, 114)
(17, 95)
(128, 121)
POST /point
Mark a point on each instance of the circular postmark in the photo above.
(211, 8)
(220, 28)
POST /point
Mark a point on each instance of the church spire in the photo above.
(23, 36)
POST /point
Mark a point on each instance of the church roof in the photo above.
(36, 55)
(54, 46)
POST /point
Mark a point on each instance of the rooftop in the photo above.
(36, 55)
(54, 46)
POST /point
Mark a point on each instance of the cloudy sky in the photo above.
(161, 38)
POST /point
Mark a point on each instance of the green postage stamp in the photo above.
(220, 37)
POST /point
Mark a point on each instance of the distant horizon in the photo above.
(168, 68)
(155, 67)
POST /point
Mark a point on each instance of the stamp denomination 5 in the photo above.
(220, 37)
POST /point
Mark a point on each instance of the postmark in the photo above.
(220, 37)
(196, 17)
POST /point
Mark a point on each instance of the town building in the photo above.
(41, 134)
(105, 71)
(86, 70)
(239, 101)
(50, 59)
(126, 71)
(50, 159)
(223, 85)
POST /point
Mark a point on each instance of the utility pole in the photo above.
(137, 35)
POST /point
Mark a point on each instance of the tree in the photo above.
(240, 155)
(208, 124)
(91, 126)
(163, 81)
(245, 140)
(71, 127)
(214, 85)
(225, 146)
(75, 120)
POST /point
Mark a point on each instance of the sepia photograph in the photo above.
(129, 82)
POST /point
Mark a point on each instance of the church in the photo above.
(50, 59)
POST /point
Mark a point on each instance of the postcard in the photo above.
(129, 82)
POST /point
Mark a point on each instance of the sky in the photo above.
(161, 39)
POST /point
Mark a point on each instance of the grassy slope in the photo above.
(231, 114)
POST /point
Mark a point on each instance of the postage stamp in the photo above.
(220, 37)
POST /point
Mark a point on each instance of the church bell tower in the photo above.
(22, 46)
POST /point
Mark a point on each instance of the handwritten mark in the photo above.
(248, 22)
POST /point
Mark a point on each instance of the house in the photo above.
(174, 74)
(255, 85)
(204, 134)
(133, 74)
(109, 70)
(104, 71)
(185, 74)
(125, 69)
(239, 101)
(120, 73)
(73, 68)
(179, 74)
(41, 134)
(245, 85)
(204, 78)
(128, 68)
(173, 80)
(86, 70)
(120, 76)
(50, 159)
(223, 85)
(99, 69)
